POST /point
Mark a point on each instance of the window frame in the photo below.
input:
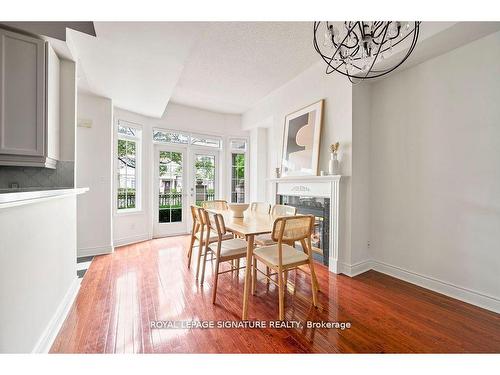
(137, 139)
(186, 134)
(230, 152)
(200, 135)
(190, 136)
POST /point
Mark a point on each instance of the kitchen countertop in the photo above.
(17, 197)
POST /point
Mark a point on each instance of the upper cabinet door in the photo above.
(22, 95)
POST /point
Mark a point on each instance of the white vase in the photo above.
(333, 165)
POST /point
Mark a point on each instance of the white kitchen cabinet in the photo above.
(29, 101)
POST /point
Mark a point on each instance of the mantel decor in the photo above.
(334, 164)
(301, 140)
(361, 49)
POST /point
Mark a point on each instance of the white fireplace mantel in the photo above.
(316, 186)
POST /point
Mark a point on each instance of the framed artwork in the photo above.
(301, 140)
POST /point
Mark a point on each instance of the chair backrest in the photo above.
(260, 207)
(215, 222)
(215, 205)
(195, 214)
(197, 219)
(283, 210)
(293, 228)
(200, 216)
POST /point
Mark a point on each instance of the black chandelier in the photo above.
(353, 48)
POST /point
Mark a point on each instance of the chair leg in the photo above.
(268, 272)
(190, 251)
(238, 268)
(313, 275)
(191, 245)
(281, 293)
(205, 253)
(216, 279)
(200, 252)
(314, 286)
(254, 277)
(315, 280)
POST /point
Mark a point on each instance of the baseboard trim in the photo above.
(450, 290)
(92, 251)
(355, 269)
(130, 240)
(48, 336)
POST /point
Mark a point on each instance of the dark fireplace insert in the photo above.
(320, 209)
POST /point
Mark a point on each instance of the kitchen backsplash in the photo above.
(62, 176)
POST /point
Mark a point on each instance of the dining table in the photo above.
(250, 225)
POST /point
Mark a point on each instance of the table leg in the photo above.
(248, 273)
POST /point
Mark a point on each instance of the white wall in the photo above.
(435, 173)
(137, 226)
(360, 213)
(307, 88)
(94, 170)
(37, 272)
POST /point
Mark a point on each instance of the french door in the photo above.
(204, 175)
(170, 199)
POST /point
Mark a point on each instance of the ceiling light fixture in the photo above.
(354, 48)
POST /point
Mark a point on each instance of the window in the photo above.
(238, 144)
(207, 141)
(128, 162)
(172, 136)
(167, 136)
(238, 167)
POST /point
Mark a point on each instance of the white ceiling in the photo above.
(137, 64)
(234, 64)
(220, 66)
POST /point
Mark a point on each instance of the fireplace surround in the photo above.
(319, 196)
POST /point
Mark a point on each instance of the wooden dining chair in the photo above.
(195, 232)
(217, 204)
(222, 250)
(206, 235)
(282, 258)
(277, 210)
(260, 207)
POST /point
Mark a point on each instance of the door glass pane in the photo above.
(204, 166)
(237, 178)
(170, 187)
(126, 174)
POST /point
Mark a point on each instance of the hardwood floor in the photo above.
(123, 292)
